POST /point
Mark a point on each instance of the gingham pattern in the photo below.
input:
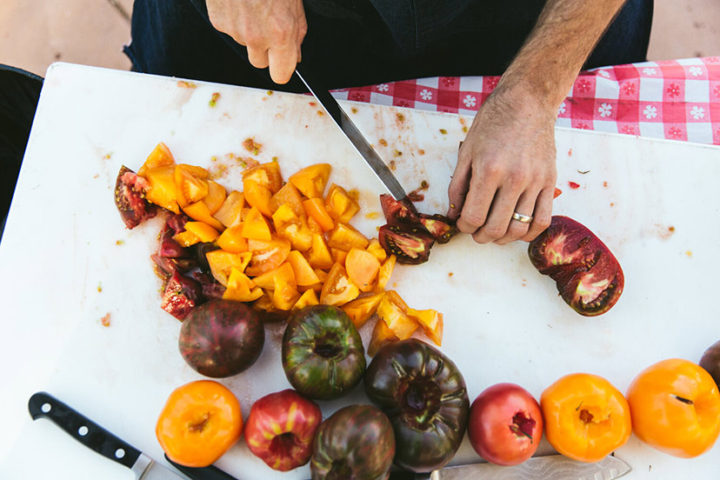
(674, 99)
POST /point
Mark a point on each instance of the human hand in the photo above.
(272, 31)
(506, 164)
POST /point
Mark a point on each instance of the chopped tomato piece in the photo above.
(393, 311)
(381, 335)
(230, 212)
(377, 250)
(338, 289)
(190, 188)
(385, 272)
(159, 157)
(361, 309)
(221, 263)
(431, 321)
(232, 240)
(200, 212)
(315, 208)
(304, 274)
(319, 255)
(241, 288)
(162, 191)
(338, 255)
(215, 197)
(340, 205)
(267, 174)
(346, 238)
(202, 230)
(308, 298)
(186, 239)
(362, 268)
(256, 227)
(258, 196)
(314, 226)
(267, 256)
(311, 180)
(267, 279)
(288, 194)
(285, 292)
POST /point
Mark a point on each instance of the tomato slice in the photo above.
(338, 288)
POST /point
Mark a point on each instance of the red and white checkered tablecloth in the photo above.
(674, 99)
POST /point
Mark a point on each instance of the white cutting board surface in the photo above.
(67, 260)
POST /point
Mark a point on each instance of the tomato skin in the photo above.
(505, 425)
(675, 407)
(280, 429)
(586, 418)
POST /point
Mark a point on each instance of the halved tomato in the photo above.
(410, 245)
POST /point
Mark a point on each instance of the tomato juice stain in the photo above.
(574, 185)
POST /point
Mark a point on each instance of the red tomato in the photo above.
(505, 424)
(281, 428)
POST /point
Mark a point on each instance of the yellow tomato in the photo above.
(586, 418)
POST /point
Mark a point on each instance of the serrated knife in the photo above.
(96, 438)
(348, 127)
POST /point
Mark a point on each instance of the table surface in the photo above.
(69, 261)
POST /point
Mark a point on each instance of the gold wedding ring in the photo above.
(522, 218)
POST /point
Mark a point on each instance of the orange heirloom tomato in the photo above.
(675, 407)
(586, 418)
(200, 421)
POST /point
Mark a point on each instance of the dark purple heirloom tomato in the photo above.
(355, 443)
(424, 395)
(322, 352)
(221, 338)
(710, 361)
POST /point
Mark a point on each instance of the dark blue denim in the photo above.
(363, 42)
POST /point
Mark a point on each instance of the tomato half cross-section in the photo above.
(675, 407)
(586, 417)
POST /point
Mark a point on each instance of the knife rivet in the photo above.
(119, 453)
(46, 407)
(82, 431)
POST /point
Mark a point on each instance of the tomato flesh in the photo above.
(130, 191)
(410, 245)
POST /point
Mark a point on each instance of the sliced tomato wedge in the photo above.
(411, 245)
(267, 256)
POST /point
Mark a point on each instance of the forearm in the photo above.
(562, 40)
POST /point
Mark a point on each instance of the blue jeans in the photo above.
(364, 42)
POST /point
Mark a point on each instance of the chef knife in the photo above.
(93, 436)
(351, 131)
(555, 467)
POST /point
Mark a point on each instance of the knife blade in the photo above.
(363, 147)
(556, 467)
(96, 438)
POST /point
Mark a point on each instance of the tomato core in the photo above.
(327, 347)
(422, 399)
(340, 471)
(522, 425)
(197, 427)
(283, 443)
(586, 416)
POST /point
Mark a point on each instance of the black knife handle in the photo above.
(202, 473)
(82, 429)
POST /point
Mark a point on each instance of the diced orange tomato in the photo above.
(267, 279)
(258, 196)
(362, 268)
(215, 197)
(304, 274)
(231, 240)
(393, 311)
(190, 188)
(288, 194)
(285, 292)
(230, 212)
(285, 216)
(338, 255)
(264, 303)
(314, 226)
(241, 288)
(311, 180)
(338, 289)
(431, 321)
(255, 226)
(376, 249)
(291, 227)
(381, 335)
(319, 255)
(202, 230)
(221, 263)
(339, 204)
(267, 174)
(361, 309)
(159, 157)
(200, 212)
(307, 299)
(186, 239)
(315, 208)
(385, 272)
(162, 191)
(345, 237)
(267, 256)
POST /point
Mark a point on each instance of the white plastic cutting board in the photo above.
(67, 260)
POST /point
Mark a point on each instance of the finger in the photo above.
(283, 61)
(542, 215)
(258, 57)
(480, 196)
(518, 229)
(498, 221)
(458, 187)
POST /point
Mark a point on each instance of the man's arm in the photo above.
(507, 162)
